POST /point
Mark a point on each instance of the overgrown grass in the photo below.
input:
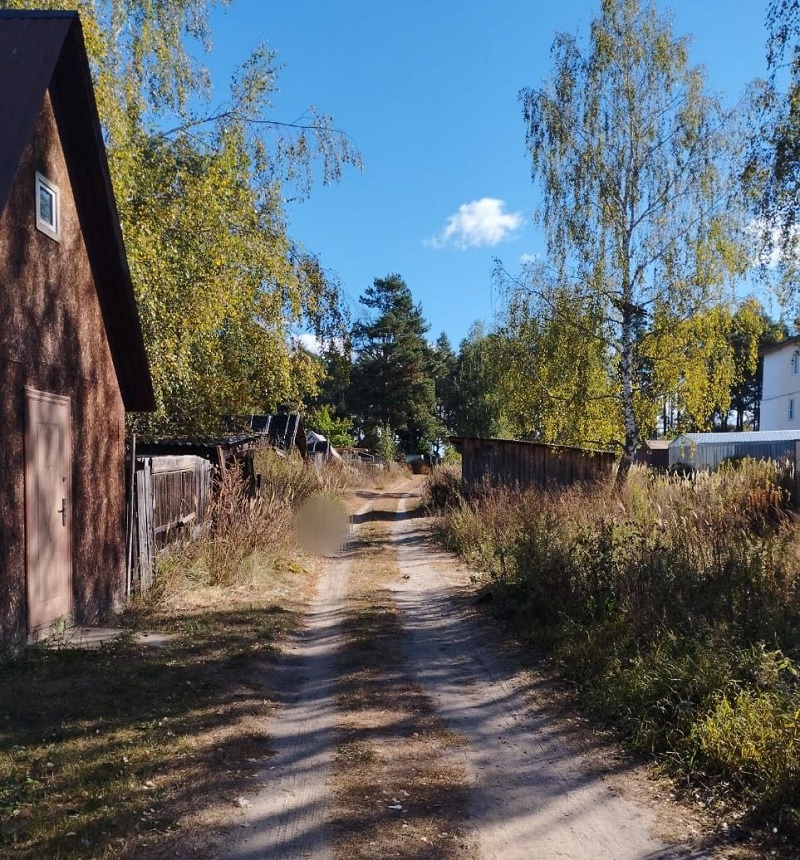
(135, 751)
(249, 533)
(674, 607)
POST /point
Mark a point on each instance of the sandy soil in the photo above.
(285, 819)
(539, 786)
(536, 791)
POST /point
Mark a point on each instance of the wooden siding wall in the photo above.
(53, 339)
(171, 494)
(500, 462)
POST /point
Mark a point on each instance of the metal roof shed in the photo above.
(708, 450)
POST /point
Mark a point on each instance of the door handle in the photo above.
(63, 511)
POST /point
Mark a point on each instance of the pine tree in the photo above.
(392, 379)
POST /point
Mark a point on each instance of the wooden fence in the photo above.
(508, 463)
(170, 496)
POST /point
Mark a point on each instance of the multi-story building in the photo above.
(780, 393)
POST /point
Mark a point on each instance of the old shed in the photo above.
(509, 463)
(72, 357)
(708, 450)
(284, 431)
(653, 453)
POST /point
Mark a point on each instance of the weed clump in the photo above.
(675, 608)
(253, 531)
(443, 488)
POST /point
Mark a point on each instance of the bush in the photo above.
(443, 487)
(753, 739)
(658, 602)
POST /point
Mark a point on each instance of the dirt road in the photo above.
(537, 789)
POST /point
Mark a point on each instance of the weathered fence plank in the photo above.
(144, 561)
(510, 463)
(171, 493)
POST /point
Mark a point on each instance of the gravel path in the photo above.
(535, 794)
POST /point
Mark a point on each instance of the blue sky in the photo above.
(428, 92)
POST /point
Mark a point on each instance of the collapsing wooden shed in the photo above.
(72, 358)
(509, 463)
(284, 431)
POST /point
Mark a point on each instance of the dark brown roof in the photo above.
(41, 50)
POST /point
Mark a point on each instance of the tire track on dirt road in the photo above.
(535, 794)
(287, 818)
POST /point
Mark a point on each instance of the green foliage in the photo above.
(557, 384)
(451, 457)
(200, 191)
(474, 400)
(386, 446)
(335, 387)
(338, 431)
(392, 380)
(753, 737)
(635, 161)
(556, 380)
(751, 330)
(445, 363)
(675, 607)
(707, 365)
(772, 177)
(216, 283)
(691, 362)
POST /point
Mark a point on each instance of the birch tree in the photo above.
(634, 159)
(201, 187)
(772, 175)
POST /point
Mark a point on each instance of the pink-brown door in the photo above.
(48, 507)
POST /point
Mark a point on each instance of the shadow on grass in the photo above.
(114, 745)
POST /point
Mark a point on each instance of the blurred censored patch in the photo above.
(322, 525)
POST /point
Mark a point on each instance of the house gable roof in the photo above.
(41, 50)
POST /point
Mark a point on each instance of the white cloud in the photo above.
(480, 223)
(529, 258)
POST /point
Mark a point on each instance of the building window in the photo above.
(791, 410)
(48, 217)
(795, 364)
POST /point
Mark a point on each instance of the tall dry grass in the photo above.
(674, 606)
(248, 535)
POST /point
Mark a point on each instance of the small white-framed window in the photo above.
(795, 364)
(791, 409)
(48, 214)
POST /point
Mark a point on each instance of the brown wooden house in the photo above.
(72, 359)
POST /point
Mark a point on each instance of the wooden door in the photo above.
(48, 507)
